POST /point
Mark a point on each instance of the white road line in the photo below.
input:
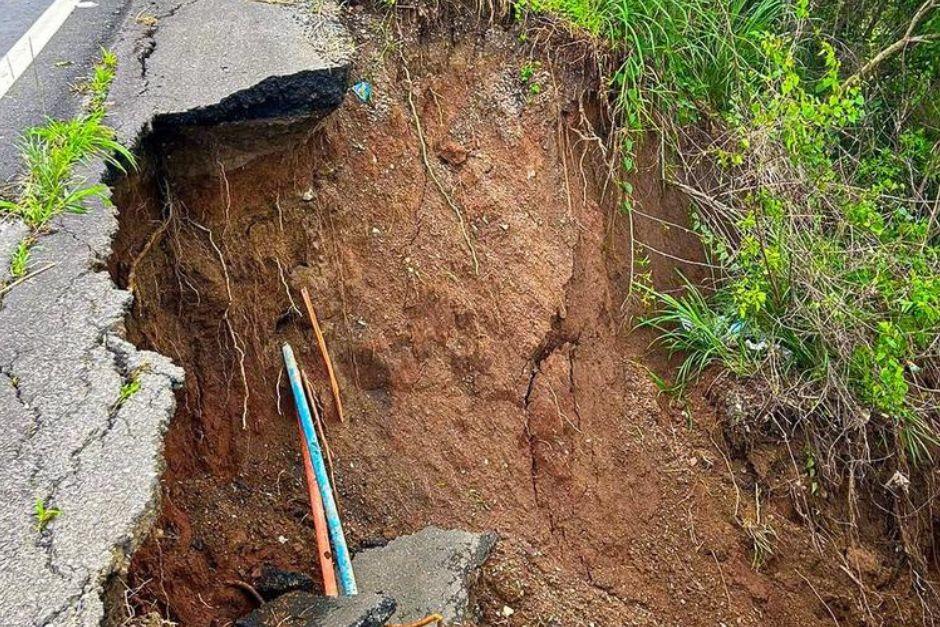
(21, 55)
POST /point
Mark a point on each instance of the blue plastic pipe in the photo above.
(347, 579)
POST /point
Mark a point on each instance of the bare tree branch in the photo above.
(908, 39)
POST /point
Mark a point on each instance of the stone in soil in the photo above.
(273, 582)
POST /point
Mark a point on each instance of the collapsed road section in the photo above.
(450, 223)
(73, 442)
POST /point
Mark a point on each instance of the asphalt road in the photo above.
(18, 16)
(44, 90)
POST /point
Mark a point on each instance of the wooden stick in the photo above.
(324, 353)
(25, 278)
(427, 620)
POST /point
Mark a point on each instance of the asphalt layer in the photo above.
(67, 440)
(426, 572)
(45, 89)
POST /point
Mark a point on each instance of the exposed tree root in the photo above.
(430, 170)
(228, 322)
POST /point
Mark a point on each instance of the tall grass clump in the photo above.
(52, 152)
(675, 58)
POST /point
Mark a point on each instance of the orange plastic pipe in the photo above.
(324, 553)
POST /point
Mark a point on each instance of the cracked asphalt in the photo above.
(67, 440)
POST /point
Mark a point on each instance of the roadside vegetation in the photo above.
(51, 155)
(806, 135)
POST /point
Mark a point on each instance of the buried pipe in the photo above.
(319, 522)
(343, 564)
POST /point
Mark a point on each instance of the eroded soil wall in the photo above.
(510, 397)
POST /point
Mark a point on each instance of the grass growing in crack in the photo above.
(44, 514)
(129, 389)
(52, 152)
(131, 386)
(19, 261)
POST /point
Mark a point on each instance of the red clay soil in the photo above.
(514, 399)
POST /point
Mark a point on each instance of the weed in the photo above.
(527, 74)
(527, 71)
(129, 389)
(664, 386)
(810, 467)
(761, 534)
(675, 55)
(97, 85)
(19, 261)
(51, 152)
(132, 385)
(44, 515)
(688, 324)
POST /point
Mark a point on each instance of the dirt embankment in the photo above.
(512, 398)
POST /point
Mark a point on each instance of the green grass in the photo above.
(52, 152)
(676, 57)
(688, 324)
(44, 515)
(19, 261)
(129, 389)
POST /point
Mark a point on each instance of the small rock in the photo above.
(273, 582)
(282, 539)
(507, 611)
(504, 226)
(453, 153)
(375, 231)
(899, 480)
(308, 195)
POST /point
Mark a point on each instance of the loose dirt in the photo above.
(515, 398)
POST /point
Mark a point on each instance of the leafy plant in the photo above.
(526, 75)
(44, 515)
(834, 276)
